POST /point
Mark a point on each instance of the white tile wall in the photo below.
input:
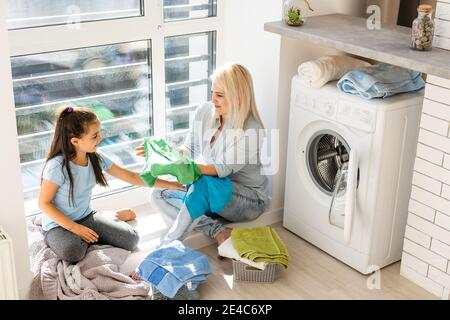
(447, 161)
(434, 140)
(430, 154)
(442, 11)
(423, 281)
(425, 255)
(442, 220)
(445, 191)
(434, 124)
(426, 249)
(414, 263)
(436, 109)
(417, 236)
(442, 25)
(441, 249)
(426, 182)
(430, 199)
(421, 210)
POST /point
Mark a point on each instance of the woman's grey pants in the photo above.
(70, 247)
(245, 205)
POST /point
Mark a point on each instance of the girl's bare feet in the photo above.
(126, 214)
(223, 235)
(135, 276)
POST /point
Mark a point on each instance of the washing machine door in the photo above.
(328, 167)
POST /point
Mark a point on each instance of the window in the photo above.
(139, 80)
(188, 9)
(112, 80)
(27, 13)
(189, 64)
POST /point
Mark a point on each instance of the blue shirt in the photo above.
(83, 183)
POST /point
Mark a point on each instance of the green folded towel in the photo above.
(260, 244)
(162, 159)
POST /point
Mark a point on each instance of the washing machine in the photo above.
(349, 171)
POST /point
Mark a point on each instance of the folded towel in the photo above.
(227, 250)
(260, 244)
(380, 81)
(173, 265)
(316, 73)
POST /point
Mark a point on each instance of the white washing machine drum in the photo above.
(327, 155)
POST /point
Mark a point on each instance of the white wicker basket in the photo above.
(244, 272)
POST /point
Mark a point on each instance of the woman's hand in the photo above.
(183, 151)
(140, 151)
(88, 235)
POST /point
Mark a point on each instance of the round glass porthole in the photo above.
(326, 153)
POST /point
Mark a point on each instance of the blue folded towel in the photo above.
(380, 81)
(173, 265)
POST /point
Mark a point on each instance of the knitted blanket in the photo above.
(96, 277)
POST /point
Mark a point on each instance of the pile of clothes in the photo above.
(173, 268)
(360, 78)
(255, 247)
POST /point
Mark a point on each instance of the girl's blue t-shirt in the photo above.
(83, 183)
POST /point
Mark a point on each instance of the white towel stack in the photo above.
(226, 249)
(317, 73)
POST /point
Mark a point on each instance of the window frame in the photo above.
(148, 27)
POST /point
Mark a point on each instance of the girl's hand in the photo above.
(88, 235)
(140, 151)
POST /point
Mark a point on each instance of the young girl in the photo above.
(73, 167)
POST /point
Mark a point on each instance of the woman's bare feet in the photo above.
(223, 235)
(135, 276)
(126, 214)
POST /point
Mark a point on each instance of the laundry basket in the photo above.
(244, 272)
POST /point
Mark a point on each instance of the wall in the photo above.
(426, 250)
(246, 42)
(12, 215)
(442, 25)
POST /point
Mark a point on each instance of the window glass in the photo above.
(189, 9)
(36, 13)
(112, 80)
(190, 61)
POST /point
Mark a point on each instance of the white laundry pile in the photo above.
(226, 249)
(316, 73)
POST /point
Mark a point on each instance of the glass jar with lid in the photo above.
(423, 29)
(295, 12)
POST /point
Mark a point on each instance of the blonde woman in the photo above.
(224, 140)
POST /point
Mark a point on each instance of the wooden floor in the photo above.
(312, 274)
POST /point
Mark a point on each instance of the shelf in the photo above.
(350, 34)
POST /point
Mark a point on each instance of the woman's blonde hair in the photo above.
(236, 82)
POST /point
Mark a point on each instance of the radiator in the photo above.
(8, 282)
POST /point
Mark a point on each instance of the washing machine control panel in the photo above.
(335, 107)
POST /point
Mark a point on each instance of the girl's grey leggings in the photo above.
(70, 247)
